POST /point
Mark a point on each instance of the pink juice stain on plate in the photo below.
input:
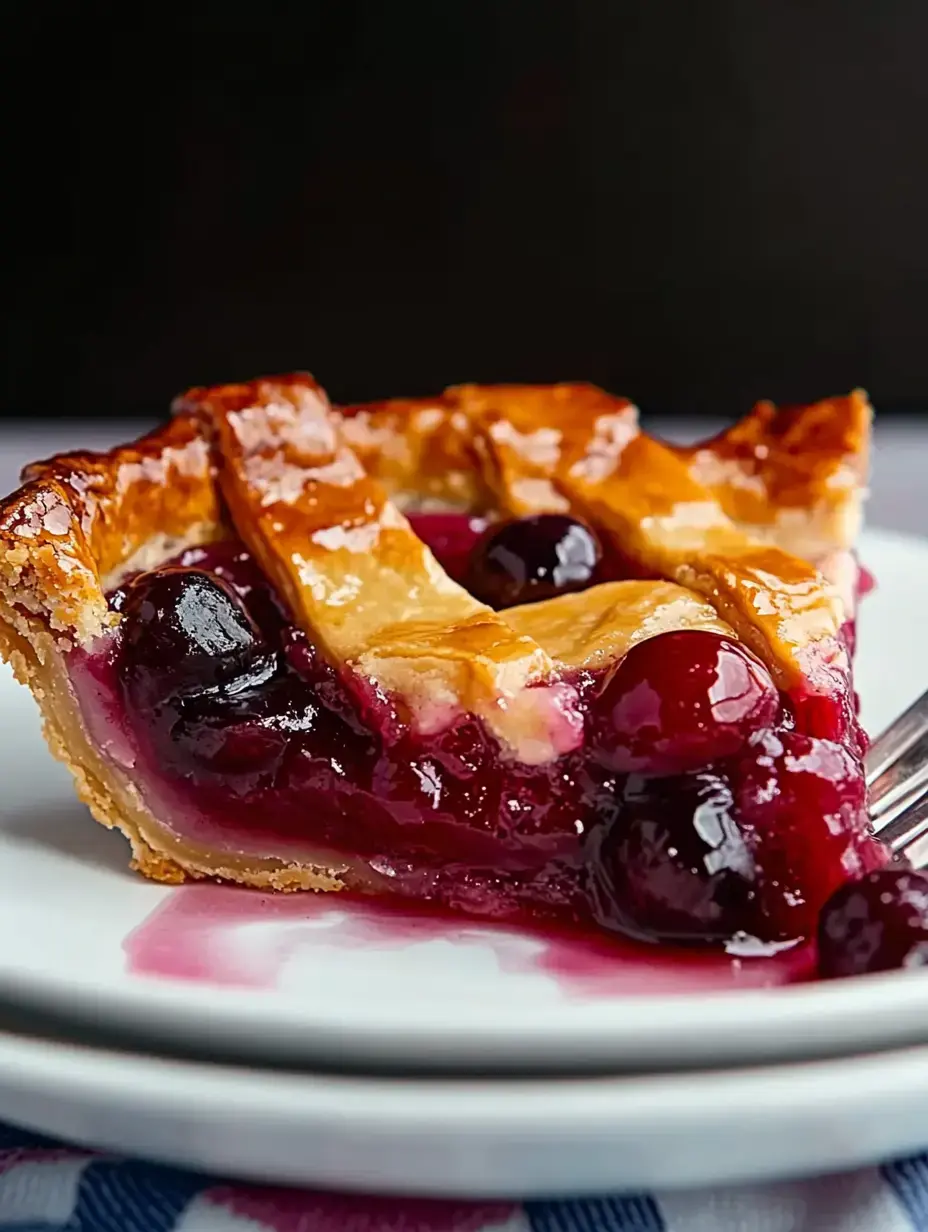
(230, 937)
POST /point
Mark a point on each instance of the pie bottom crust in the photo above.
(116, 802)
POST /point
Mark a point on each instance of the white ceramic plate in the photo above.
(473, 1139)
(322, 983)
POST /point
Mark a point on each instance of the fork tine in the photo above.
(907, 827)
(898, 817)
(900, 782)
(897, 740)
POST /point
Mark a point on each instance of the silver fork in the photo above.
(897, 776)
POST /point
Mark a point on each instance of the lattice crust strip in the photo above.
(794, 476)
(376, 600)
(742, 518)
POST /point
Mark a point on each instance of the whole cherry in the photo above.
(533, 558)
(681, 701)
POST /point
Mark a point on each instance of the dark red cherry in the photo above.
(801, 803)
(674, 865)
(533, 558)
(681, 701)
(878, 922)
(183, 629)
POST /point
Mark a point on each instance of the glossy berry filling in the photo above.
(802, 805)
(186, 633)
(751, 847)
(692, 813)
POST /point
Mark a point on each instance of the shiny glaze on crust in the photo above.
(786, 458)
(163, 483)
(775, 461)
(422, 450)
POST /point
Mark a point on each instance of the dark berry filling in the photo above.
(272, 742)
(876, 923)
(533, 558)
(693, 812)
(751, 847)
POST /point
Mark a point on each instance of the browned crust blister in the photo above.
(790, 477)
(790, 457)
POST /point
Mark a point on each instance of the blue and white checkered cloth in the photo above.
(45, 1187)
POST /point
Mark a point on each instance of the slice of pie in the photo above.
(500, 650)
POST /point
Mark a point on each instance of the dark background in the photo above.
(694, 203)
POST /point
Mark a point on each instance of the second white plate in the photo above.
(525, 1139)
